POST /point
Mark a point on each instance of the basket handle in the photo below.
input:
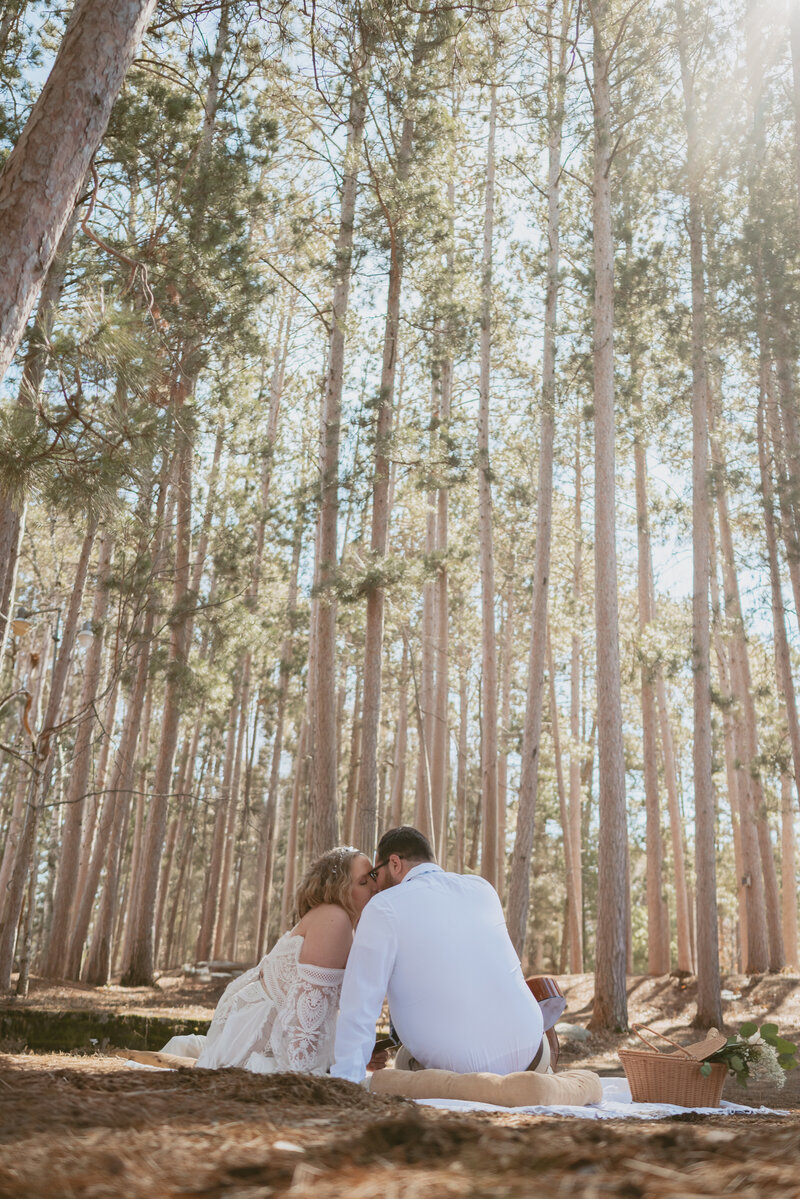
(639, 1028)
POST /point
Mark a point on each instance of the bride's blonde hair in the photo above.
(327, 880)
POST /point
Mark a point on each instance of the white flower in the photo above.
(767, 1067)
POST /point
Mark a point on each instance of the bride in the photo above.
(281, 1014)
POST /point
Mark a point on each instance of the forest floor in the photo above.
(79, 1125)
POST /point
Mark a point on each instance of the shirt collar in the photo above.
(423, 868)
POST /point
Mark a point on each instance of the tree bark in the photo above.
(610, 1001)
(794, 34)
(43, 174)
(441, 730)
(657, 915)
(66, 886)
(367, 811)
(761, 937)
(210, 911)
(784, 482)
(220, 950)
(292, 839)
(423, 809)
(349, 820)
(269, 825)
(519, 884)
(485, 532)
(575, 881)
(506, 673)
(461, 769)
(43, 760)
(107, 850)
(32, 677)
(324, 788)
(729, 744)
(783, 662)
(788, 873)
(140, 965)
(709, 1004)
(400, 744)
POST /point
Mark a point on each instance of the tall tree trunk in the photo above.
(785, 484)
(270, 818)
(485, 532)
(292, 839)
(657, 915)
(140, 964)
(440, 731)
(783, 662)
(32, 677)
(92, 812)
(424, 818)
(729, 744)
(351, 796)
(575, 881)
(788, 873)
(400, 744)
(506, 673)
(183, 785)
(43, 761)
(220, 949)
(756, 862)
(794, 32)
(461, 769)
(109, 839)
(66, 886)
(112, 818)
(709, 1004)
(519, 884)
(324, 786)
(185, 840)
(610, 1001)
(367, 811)
(210, 911)
(570, 917)
(42, 176)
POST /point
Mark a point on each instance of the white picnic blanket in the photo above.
(616, 1105)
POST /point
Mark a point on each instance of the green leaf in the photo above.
(748, 1029)
(737, 1064)
(769, 1030)
(784, 1046)
(787, 1061)
(705, 1069)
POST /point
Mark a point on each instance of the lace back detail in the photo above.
(281, 1015)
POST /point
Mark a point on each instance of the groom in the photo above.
(437, 945)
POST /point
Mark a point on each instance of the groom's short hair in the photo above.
(406, 842)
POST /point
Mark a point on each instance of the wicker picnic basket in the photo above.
(656, 1077)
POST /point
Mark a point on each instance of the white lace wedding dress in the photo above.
(281, 1015)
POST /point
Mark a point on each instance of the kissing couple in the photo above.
(434, 944)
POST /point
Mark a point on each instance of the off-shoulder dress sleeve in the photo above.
(305, 1026)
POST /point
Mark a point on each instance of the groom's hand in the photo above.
(378, 1060)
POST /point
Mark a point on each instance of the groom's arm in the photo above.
(366, 977)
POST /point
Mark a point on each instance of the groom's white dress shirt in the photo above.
(438, 946)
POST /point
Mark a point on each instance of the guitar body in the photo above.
(546, 990)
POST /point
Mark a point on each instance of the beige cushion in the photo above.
(573, 1088)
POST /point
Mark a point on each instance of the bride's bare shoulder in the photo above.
(328, 934)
